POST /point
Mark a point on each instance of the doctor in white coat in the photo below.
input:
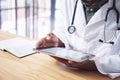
(91, 34)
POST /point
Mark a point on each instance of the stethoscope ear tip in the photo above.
(118, 29)
(100, 40)
(111, 43)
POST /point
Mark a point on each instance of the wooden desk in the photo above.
(39, 67)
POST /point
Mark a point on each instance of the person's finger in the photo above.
(48, 38)
(41, 43)
(70, 62)
(77, 64)
(38, 44)
(64, 61)
(60, 59)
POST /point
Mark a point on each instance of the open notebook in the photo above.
(18, 46)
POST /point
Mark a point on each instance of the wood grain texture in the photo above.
(39, 67)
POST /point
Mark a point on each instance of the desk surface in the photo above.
(39, 67)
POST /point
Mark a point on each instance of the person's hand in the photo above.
(85, 65)
(49, 41)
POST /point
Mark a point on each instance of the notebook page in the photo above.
(18, 46)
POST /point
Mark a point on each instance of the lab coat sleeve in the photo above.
(64, 21)
(110, 63)
(61, 35)
(60, 27)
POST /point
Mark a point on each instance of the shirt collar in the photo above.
(95, 5)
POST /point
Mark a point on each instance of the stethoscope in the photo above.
(105, 26)
(72, 28)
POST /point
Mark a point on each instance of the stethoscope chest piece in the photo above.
(71, 29)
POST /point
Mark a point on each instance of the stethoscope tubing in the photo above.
(105, 26)
(72, 28)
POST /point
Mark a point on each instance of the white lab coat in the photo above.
(86, 38)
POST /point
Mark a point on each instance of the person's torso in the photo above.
(86, 38)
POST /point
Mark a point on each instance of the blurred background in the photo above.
(29, 18)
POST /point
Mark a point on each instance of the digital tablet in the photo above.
(68, 54)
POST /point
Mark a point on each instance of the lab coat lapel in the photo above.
(96, 23)
(99, 15)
